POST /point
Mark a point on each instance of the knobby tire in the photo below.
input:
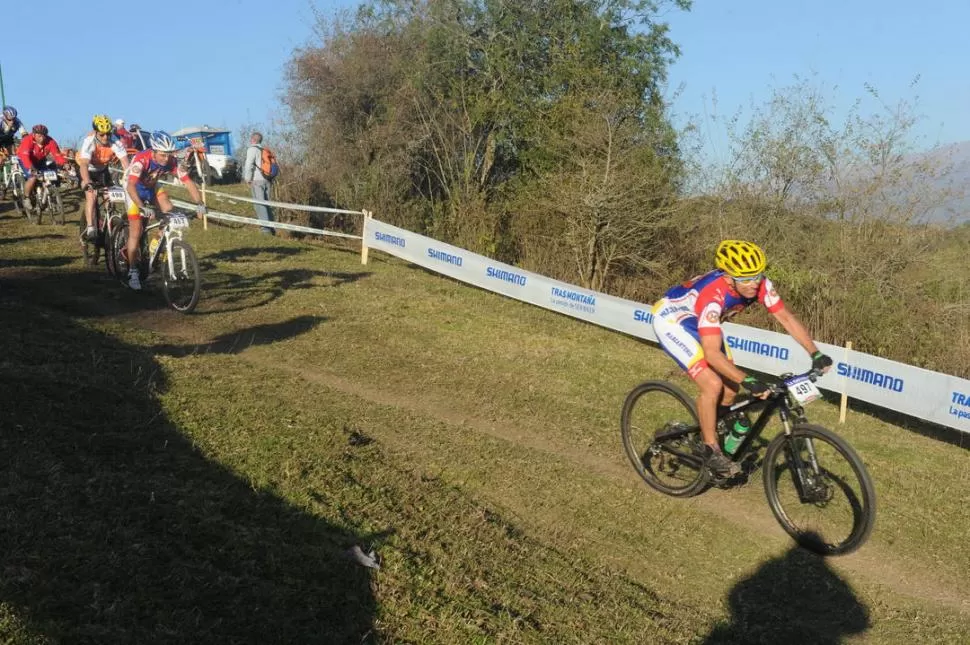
(854, 484)
(652, 459)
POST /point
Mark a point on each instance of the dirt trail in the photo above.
(873, 563)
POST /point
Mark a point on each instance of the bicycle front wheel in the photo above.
(181, 280)
(113, 223)
(20, 198)
(57, 206)
(819, 490)
(661, 436)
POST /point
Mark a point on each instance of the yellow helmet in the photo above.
(740, 259)
(101, 123)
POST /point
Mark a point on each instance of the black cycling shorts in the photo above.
(100, 178)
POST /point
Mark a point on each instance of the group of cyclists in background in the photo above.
(140, 158)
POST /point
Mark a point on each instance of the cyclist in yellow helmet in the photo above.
(97, 151)
(687, 321)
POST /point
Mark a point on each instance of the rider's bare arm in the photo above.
(82, 166)
(796, 329)
(193, 190)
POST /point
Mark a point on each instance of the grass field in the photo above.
(200, 479)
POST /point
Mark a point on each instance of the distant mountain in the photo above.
(955, 158)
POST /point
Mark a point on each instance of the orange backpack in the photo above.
(268, 165)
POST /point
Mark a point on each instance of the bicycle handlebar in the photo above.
(813, 374)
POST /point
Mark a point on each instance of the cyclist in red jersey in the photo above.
(33, 153)
(687, 321)
(142, 194)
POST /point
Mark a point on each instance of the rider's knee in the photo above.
(709, 383)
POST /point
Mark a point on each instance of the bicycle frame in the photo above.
(169, 235)
(788, 411)
(11, 168)
(44, 187)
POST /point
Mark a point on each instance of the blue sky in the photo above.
(737, 51)
(219, 62)
(222, 62)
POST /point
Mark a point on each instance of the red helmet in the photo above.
(40, 128)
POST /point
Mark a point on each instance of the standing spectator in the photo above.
(123, 135)
(258, 182)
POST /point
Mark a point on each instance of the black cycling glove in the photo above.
(755, 385)
(820, 361)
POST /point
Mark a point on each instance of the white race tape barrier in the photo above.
(258, 222)
(295, 207)
(923, 394)
(250, 200)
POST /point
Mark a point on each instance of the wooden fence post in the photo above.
(845, 397)
(363, 237)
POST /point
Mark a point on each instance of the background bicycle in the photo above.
(167, 254)
(13, 183)
(109, 214)
(817, 486)
(47, 196)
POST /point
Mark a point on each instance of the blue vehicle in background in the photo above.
(211, 152)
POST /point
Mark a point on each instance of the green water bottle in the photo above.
(737, 433)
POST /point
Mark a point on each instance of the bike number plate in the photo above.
(116, 194)
(50, 175)
(177, 222)
(802, 388)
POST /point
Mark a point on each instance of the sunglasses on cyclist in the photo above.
(750, 278)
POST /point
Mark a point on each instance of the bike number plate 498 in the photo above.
(802, 388)
(177, 222)
(116, 194)
(50, 175)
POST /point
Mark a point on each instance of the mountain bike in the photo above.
(13, 183)
(48, 196)
(171, 256)
(109, 214)
(817, 486)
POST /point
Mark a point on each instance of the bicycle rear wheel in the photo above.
(819, 490)
(90, 248)
(661, 437)
(181, 280)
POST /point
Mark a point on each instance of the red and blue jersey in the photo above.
(710, 299)
(144, 170)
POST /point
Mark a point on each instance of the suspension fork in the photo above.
(799, 466)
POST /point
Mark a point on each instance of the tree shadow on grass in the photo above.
(223, 291)
(25, 238)
(117, 529)
(40, 263)
(238, 341)
(254, 254)
(795, 598)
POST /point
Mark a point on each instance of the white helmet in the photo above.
(120, 123)
(161, 141)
